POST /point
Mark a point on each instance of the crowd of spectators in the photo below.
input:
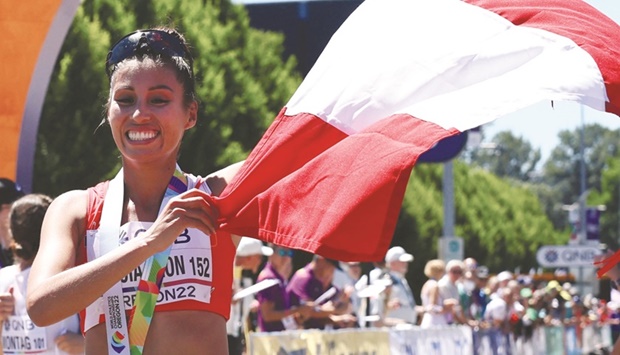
(328, 294)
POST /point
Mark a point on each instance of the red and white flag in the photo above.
(329, 174)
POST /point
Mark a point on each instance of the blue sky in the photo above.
(540, 124)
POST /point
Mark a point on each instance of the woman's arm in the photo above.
(57, 288)
(218, 180)
(270, 314)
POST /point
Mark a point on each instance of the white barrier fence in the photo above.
(454, 340)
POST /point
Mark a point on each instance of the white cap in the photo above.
(504, 276)
(398, 254)
(250, 246)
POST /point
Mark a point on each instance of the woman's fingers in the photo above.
(191, 209)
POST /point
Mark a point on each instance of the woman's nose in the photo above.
(141, 112)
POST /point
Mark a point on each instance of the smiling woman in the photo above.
(145, 240)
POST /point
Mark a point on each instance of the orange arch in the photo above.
(32, 34)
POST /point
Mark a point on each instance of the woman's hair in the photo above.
(26, 218)
(434, 269)
(182, 65)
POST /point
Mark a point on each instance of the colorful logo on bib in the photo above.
(117, 342)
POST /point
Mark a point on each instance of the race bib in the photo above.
(188, 273)
(21, 336)
(289, 323)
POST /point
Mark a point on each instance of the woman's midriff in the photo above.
(178, 332)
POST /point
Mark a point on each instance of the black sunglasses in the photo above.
(145, 41)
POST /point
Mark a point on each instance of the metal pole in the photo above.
(448, 199)
(582, 198)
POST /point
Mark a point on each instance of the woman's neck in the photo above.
(145, 185)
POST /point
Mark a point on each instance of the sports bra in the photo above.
(198, 275)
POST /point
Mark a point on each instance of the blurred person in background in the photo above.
(434, 306)
(496, 314)
(503, 278)
(26, 217)
(349, 278)
(475, 303)
(311, 282)
(9, 192)
(275, 312)
(248, 260)
(397, 304)
(449, 291)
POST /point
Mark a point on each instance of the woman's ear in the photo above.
(193, 115)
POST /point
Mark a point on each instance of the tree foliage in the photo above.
(242, 82)
(562, 169)
(501, 221)
(609, 196)
(508, 156)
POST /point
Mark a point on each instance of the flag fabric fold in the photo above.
(329, 174)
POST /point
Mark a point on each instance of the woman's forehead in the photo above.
(133, 70)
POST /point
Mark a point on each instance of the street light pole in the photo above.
(448, 199)
(582, 234)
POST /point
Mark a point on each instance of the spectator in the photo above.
(475, 303)
(496, 314)
(9, 192)
(348, 278)
(26, 217)
(434, 307)
(248, 260)
(397, 304)
(504, 277)
(449, 291)
(378, 271)
(275, 312)
(310, 283)
(555, 299)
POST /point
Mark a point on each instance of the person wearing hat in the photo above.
(397, 304)
(248, 259)
(311, 282)
(9, 193)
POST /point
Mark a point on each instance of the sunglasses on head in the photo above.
(285, 252)
(146, 41)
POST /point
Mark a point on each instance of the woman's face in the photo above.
(147, 114)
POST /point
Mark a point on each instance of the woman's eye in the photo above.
(125, 100)
(159, 101)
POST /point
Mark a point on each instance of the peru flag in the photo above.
(329, 174)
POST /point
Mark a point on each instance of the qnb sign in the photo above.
(566, 255)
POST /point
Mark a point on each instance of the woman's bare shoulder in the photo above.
(68, 208)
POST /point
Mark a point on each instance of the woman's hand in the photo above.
(7, 304)
(191, 209)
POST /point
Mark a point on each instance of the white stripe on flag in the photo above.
(444, 61)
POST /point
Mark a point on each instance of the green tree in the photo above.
(501, 221)
(609, 196)
(242, 83)
(562, 169)
(507, 156)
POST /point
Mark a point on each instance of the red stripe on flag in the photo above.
(589, 28)
(339, 200)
